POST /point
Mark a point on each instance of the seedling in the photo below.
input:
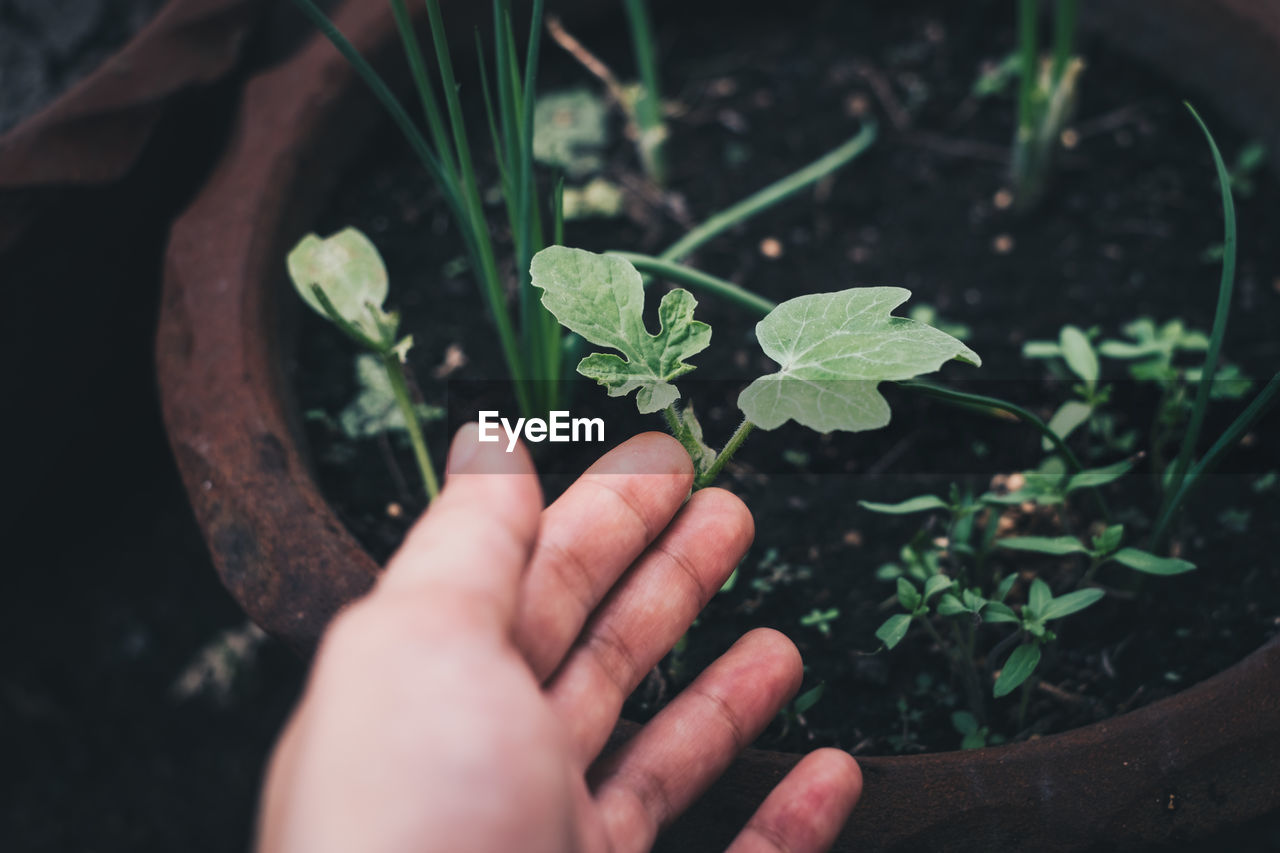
(343, 279)
(646, 105)
(833, 350)
(821, 620)
(1047, 91)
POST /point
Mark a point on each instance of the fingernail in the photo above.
(463, 451)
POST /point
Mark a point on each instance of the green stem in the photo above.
(1226, 286)
(963, 662)
(979, 401)
(1225, 442)
(648, 106)
(1064, 34)
(697, 279)
(735, 441)
(771, 195)
(1027, 687)
(395, 374)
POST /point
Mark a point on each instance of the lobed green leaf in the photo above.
(833, 350)
(601, 298)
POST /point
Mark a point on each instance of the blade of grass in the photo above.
(772, 194)
(648, 105)
(698, 280)
(426, 94)
(1064, 32)
(1226, 286)
(1241, 425)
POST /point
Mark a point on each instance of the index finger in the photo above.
(475, 539)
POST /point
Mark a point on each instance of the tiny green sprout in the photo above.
(344, 280)
(820, 619)
(793, 712)
(1075, 349)
(833, 350)
(973, 735)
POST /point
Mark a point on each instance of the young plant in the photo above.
(833, 350)
(646, 101)
(1151, 354)
(343, 279)
(1076, 351)
(1047, 91)
(530, 342)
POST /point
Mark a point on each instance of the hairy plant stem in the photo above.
(722, 459)
(968, 671)
(400, 388)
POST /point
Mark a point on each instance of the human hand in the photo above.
(463, 703)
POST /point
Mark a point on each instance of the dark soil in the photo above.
(1130, 215)
(46, 46)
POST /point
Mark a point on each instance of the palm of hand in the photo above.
(464, 703)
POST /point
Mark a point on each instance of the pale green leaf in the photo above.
(908, 595)
(1145, 561)
(601, 298)
(949, 605)
(1069, 416)
(1094, 477)
(894, 629)
(1017, 668)
(833, 350)
(935, 585)
(997, 612)
(1072, 602)
(916, 504)
(348, 270)
(1078, 353)
(1056, 545)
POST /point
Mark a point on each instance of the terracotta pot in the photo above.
(1178, 768)
(93, 133)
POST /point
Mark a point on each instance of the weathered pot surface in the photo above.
(95, 131)
(1207, 757)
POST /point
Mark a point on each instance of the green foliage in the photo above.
(1047, 93)
(820, 619)
(375, 409)
(1017, 669)
(343, 279)
(570, 132)
(601, 298)
(833, 350)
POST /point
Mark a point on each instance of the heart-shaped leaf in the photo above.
(833, 350)
(601, 298)
(349, 274)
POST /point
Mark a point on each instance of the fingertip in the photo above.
(768, 644)
(737, 517)
(475, 452)
(653, 453)
(837, 772)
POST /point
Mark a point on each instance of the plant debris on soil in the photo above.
(1129, 228)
